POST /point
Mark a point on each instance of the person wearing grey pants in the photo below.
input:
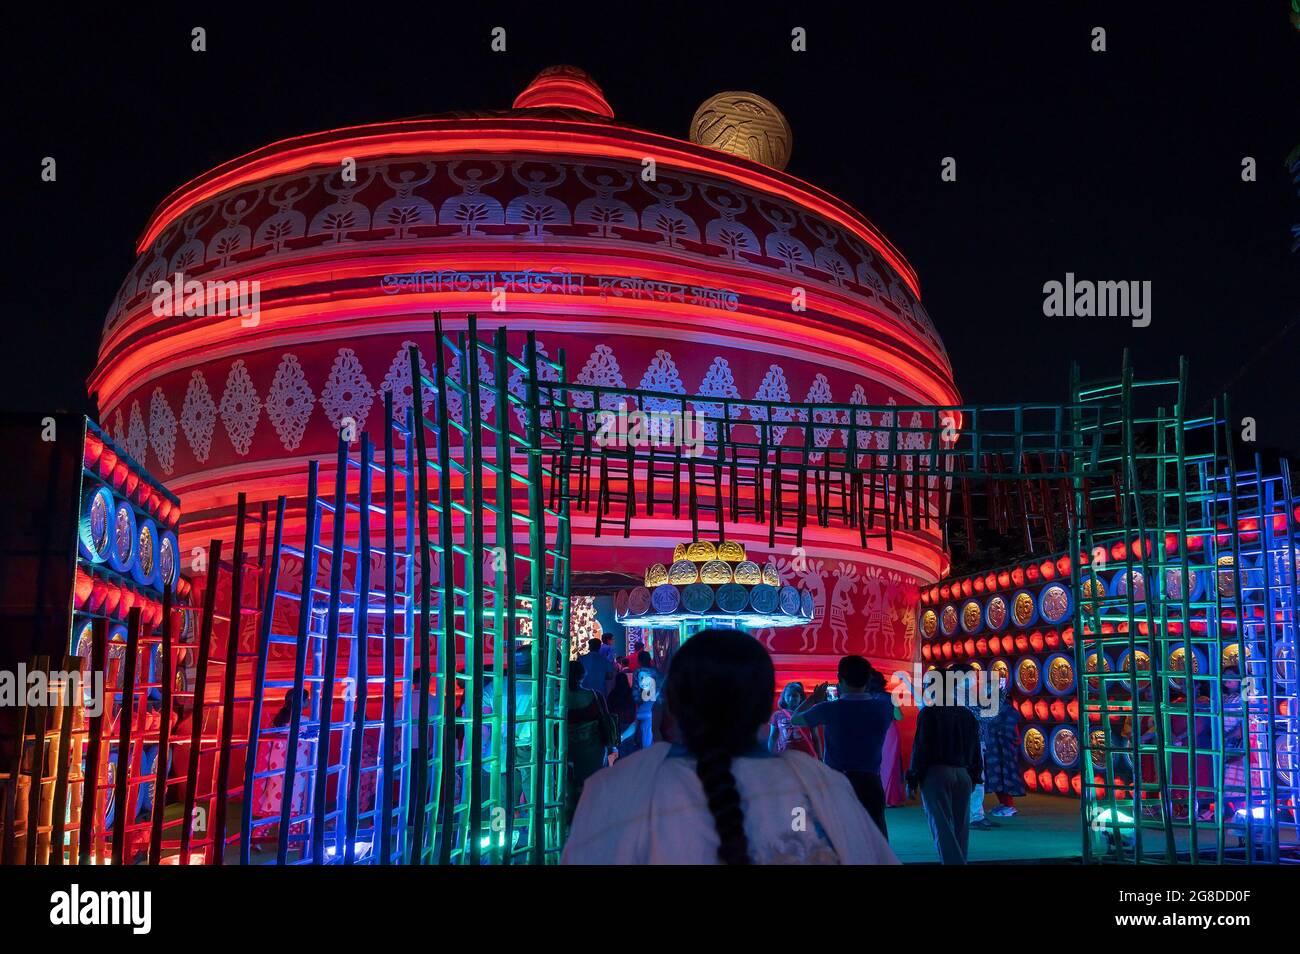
(946, 766)
(946, 794)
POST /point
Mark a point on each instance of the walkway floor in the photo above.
(1046, 830)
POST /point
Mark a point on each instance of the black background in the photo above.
(1123, 165)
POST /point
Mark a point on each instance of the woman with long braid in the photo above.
(718, 796)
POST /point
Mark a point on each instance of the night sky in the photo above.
(1123, 165)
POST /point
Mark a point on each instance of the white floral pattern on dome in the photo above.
(119, 429)
(398, 380)
(486, 399)
(662, 375)
(403, 211)
(137, 435)
(398, 198)
(347, 392)
(289, 402)
(518, 385)
(198, 417)
(882, 438)
(774, 388)
(861, 418)
(820, 393)
(664, 217)
(240, 407)
(603, 210)
(162, 430)
(601, 370)
(718, 382)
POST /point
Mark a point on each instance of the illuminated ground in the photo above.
(1047, 829)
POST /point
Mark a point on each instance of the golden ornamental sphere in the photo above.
(744, 124)
(655, 574)
(1061, 674)
(731, 552)
(715, 572)
(683, 572)
(1035, 743)
(701, 551)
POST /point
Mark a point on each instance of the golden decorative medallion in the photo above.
(655, 574)
(1091, 587)
(1228, 577)
(701, 551)
(1091, 663)
(929, 622)
(744, 124)
(1177, 661)
(683, 572)
(731, 552)
(1231, 656)
(1027, 675)
(679, 552)
(770, 576)
(748, 573)
(971, 616)
(1061, 674)
(1097, 740)
(1034, 744)
(1000, 668)
(1139, 661)
(715, 572)
(1024, 608)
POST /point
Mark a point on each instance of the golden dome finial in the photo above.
(743, 124)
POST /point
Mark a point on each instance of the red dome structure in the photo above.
(652, 262)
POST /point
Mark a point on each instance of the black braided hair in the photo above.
(719, 691)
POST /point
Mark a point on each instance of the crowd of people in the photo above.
(697, 766)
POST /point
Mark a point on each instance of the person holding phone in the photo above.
(781, 735)
(855, 724)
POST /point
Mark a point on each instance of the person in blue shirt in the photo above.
(855, 724)
(598, 669)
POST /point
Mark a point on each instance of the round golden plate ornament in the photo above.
(1097, 741)
(683, 572)
(1035, 744)
(929, 623)
(748, 573)
(770, 576)
(1061, 674)
(743, 124)
(701, 551)
(1023, 611)
(715, 572)
(731, 552)
(655, 574)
